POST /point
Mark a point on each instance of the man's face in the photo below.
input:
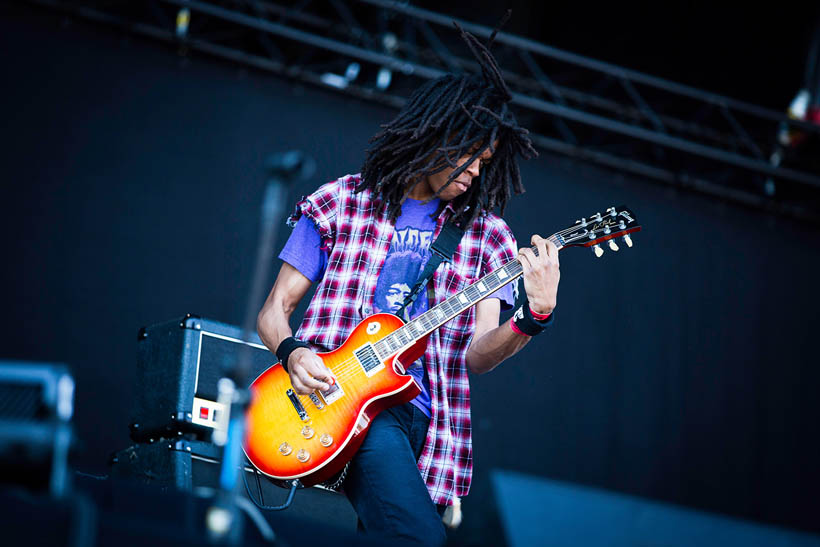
(462, 183)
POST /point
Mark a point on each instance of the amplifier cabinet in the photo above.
(187, 464)
(36, 405)
(179, 363)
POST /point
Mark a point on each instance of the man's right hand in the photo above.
(308, 372)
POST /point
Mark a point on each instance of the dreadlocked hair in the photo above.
(444, 120)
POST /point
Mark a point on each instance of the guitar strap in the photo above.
(443, 248)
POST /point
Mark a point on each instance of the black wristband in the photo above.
(526, 323)
(286, 347)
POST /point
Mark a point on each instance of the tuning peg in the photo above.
(596, 217)
(582, 222)
(598, 251)
(627, 240)
(613, 245)
(612, 212)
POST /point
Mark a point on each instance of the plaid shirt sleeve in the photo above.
(499, 249)
(321, 207)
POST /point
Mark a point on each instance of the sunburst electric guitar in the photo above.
(310, 438)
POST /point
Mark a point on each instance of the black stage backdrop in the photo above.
(683, 369)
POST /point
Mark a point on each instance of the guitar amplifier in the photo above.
(187, 464)
(179, 363)
(36, 405)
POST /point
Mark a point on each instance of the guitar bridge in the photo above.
(297, 404)
(316, 401)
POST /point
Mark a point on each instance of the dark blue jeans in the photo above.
(384, 485)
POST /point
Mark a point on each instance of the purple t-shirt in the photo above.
(408, 253)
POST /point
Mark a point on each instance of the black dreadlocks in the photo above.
(444, 120)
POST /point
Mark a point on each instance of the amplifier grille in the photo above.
(22, 402)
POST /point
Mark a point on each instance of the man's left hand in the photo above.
(541, 274)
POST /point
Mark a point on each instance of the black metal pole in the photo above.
(222, 522)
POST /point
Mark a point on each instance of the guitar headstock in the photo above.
(600, 227)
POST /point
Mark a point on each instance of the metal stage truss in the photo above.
(380, 50)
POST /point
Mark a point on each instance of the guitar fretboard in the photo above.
(436, 316)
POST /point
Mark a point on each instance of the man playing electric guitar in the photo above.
(450, 155)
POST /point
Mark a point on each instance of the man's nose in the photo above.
(474, 167)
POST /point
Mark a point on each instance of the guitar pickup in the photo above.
(297, 404)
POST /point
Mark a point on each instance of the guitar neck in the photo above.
(436, 316)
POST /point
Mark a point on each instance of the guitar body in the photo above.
(316, 443)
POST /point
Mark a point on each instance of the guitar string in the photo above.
(348, 368)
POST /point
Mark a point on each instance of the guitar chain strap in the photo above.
(443, 248)
(340, 478)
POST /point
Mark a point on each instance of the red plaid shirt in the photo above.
(356, 232)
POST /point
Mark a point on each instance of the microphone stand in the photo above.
(222, 520)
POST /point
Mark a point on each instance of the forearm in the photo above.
(273, 321)
(494, 346)
(273, 326)
(491, 346)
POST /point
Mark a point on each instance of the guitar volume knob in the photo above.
(308, 432)
(326, 440)
(302, 455)
(285, 449)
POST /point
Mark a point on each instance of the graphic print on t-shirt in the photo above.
(407, 255)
